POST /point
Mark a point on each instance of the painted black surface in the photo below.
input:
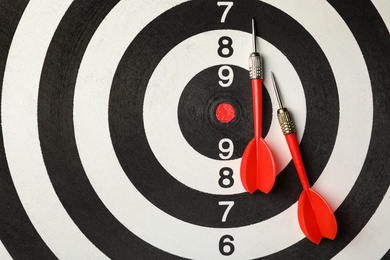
(197, 106)
(126, 118)
(358, 207)
(78, 197)
(56, 132)
(17, 233)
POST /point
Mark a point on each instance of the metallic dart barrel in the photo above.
(285, 121)
(255, 66)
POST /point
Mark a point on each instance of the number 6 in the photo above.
(226, 246)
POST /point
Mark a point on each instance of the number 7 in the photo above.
(228, 7)
(229, 205)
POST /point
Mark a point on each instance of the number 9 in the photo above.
(228, 77)
(229, 150)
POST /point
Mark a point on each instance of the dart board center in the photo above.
(225, 113)
(215, 105)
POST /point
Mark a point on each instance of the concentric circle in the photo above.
(175, 157)
(198, 112)
(203, 100)
(88, 147)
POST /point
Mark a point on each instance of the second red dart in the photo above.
(257, 163)
(315, 216)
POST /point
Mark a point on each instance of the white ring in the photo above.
(181, 238)
(20, 130)
(162, 97)
(142, 218)
(354, 88)
(106, 175)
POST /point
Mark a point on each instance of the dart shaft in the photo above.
(297, 159)
(288, 129)
(257, 106)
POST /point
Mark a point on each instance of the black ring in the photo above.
(64, 165)
(24, 241)
(56, 133)
(197, 112)
(126, 118)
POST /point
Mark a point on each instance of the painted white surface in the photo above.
(20, 131)
(19, 107)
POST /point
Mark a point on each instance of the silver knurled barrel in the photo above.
(255, 66)
(285, 121)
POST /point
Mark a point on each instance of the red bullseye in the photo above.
(225, 113)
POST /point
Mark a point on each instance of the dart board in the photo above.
(114, 146)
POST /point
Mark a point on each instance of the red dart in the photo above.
(316, 218)
(257, 163)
